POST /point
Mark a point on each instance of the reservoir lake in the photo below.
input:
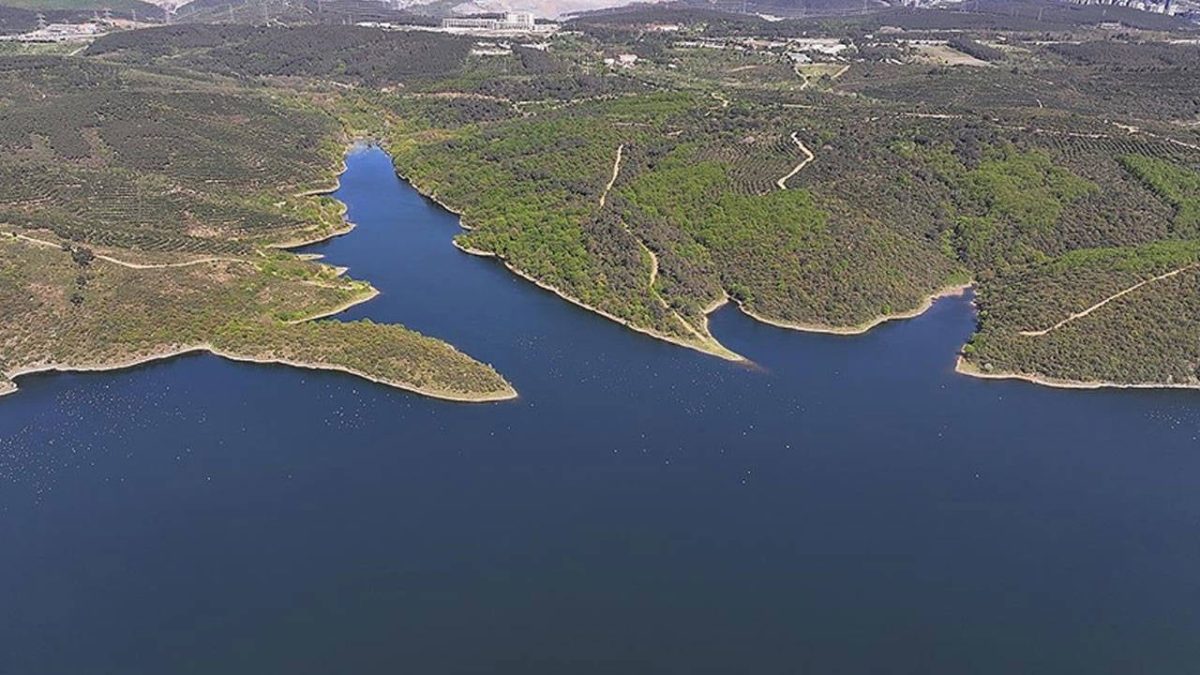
(846, 505)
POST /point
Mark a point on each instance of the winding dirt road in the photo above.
(1098, 305)
(808, 157)
(123, 263)
(707, 339)
(615, 173)
(805, 80)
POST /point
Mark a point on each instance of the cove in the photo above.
(850, 506)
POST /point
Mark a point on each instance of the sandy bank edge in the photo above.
(963, 367)
(338, 170)
(724, 353)
(729, 355)
(301, 240)
(372, 293)
(8, 383)
(9, 386)
(171, 352)
(954, 290)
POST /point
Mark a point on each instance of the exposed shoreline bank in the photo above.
(303, 241)
(952, 290)
(724, 353)
(338, 309)
(963, 367)
(955, 290)
(8, 379)
(9, 386)
(175, 351)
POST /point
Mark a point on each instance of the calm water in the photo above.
(852, 506)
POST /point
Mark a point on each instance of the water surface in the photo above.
(852, 506)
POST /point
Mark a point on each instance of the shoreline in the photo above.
(347, 225)
(722, 353)
(8, 384)
(374, 293)
(963, 367)
(337, 173)
(290, 244)
(952, 291)
(175, 351)
(727, 354)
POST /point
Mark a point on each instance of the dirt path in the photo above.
(603, 197)
(616, 171)
(653, 263)
(163, 266)
(804, 81)
(123, 263)
(933, 116)
(1137, 130)
(1098, 305)
(808, 157)
(557, 104)
(515, 105)
(701, 336)
(653, 260)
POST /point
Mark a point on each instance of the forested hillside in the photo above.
(295, 12)
(823, 181)
(368, 56)
(140, 216)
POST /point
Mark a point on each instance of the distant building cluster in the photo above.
(799, 50)
(58, 32)
(511, 21)
(1154, 6)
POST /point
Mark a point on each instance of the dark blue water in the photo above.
(851, 507)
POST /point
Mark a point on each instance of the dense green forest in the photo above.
(297, 12)
(346, 53)
(1057, 167)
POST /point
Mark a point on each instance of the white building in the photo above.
(826, 46)
(59, 32)
(517, 21)
(622, 60)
